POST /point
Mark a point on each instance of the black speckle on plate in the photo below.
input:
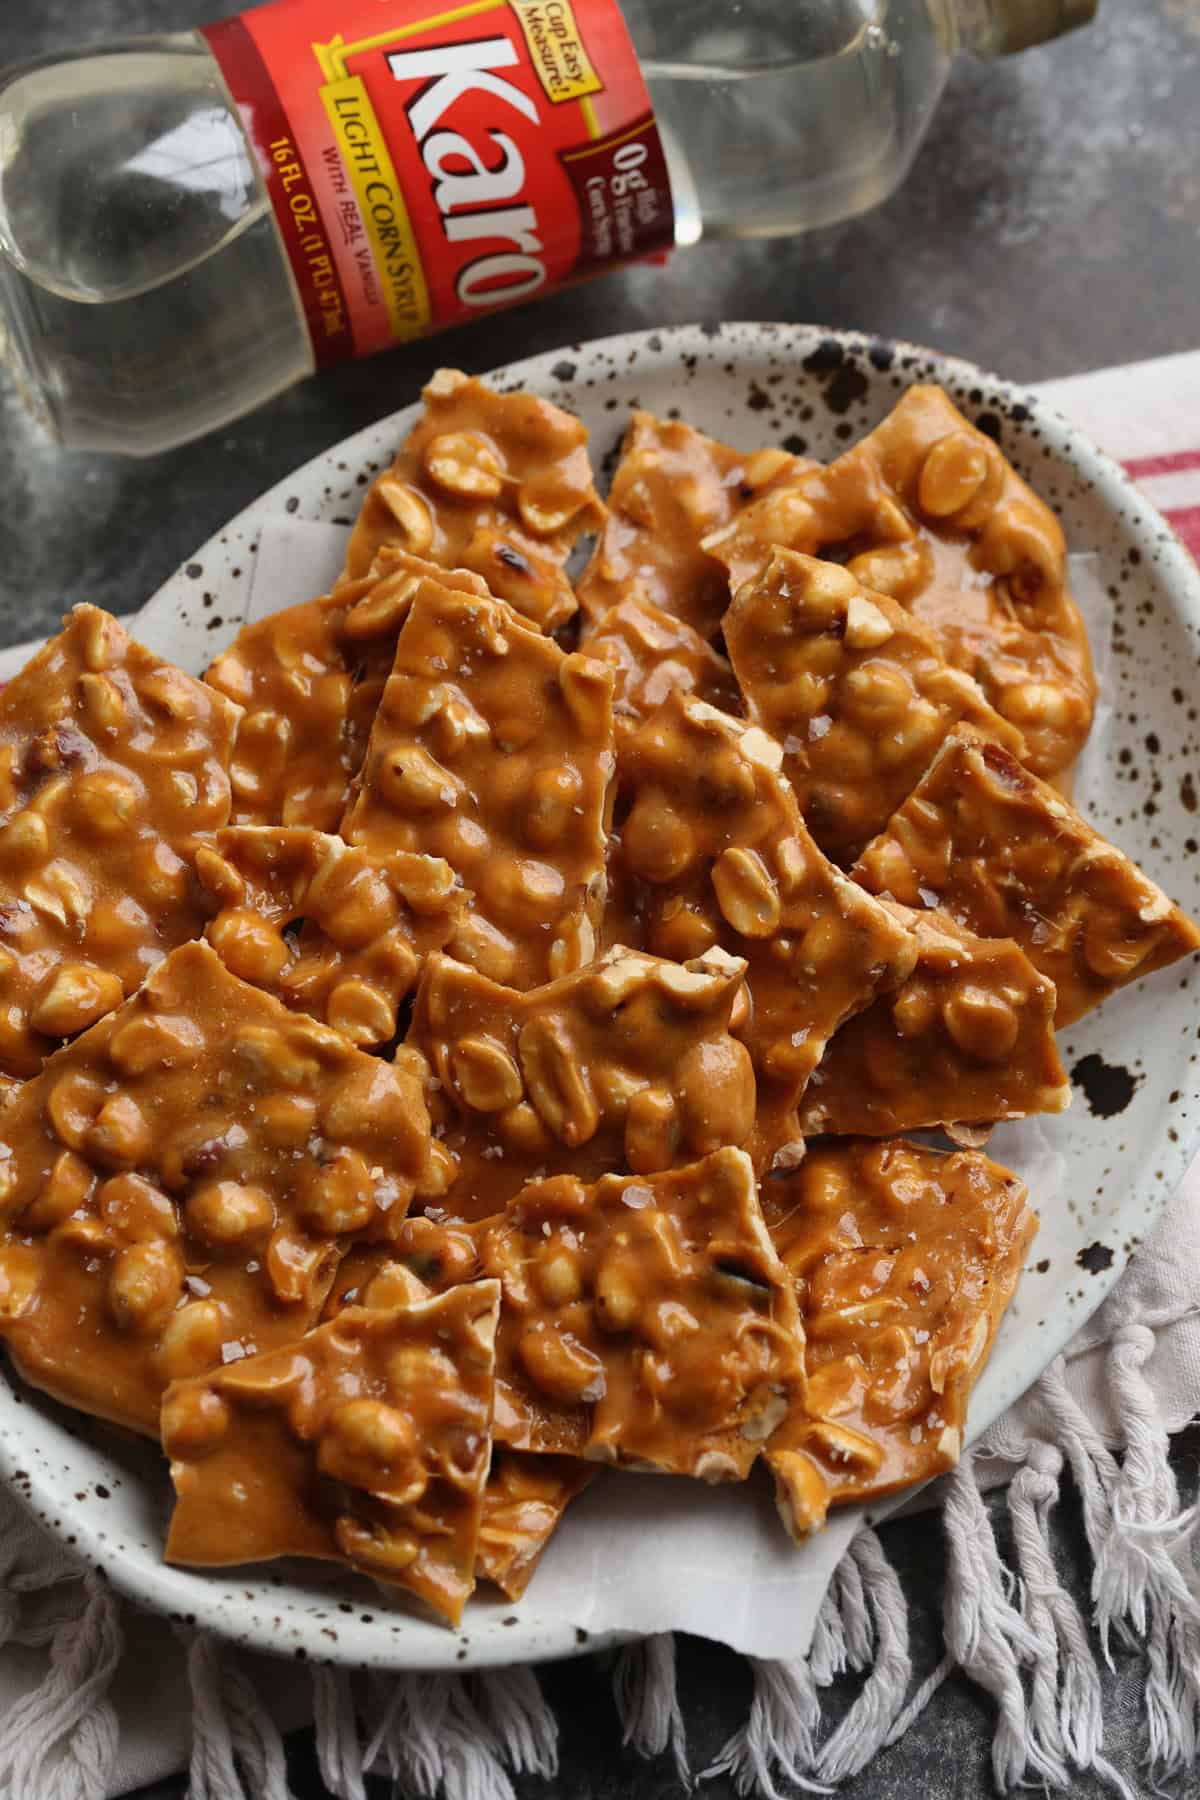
(828, 356)
(1107, 1087)
(1095, 1258)
(849, 385)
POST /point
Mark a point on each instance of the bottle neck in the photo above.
(1001, 27)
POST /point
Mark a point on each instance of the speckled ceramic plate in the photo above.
(1125, 1142)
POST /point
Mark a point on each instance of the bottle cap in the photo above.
(1017, 24)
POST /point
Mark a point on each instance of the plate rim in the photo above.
(180, 1593)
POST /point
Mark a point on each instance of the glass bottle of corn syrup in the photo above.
(191, 223)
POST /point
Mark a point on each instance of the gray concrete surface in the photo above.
(1052, 224)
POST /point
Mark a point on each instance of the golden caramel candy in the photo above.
(855, 690)
(182, 1181)
(653, 655)
(325, 927)
(297, 751)
(628, 1063)
(427, 1255)
(309, 680)
(494, 750)
(113, 766)
(672, 487)
(967, 1038)
(644, 1320)
(1005, 855)
(496, 483)
(365, 1442)
(927, 509)
(712, 851)
(523, 1504)
(904, 1259)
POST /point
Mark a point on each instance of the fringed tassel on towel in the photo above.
(777, 1740)
(512, 1702)
(644, 1688)
(237, 1752)
(461, 1737)
(842, 1639)
(60, 1741)
(986, 1636)
(1144, 1588)
(1066, 1703)
(335, 1726)
(863, 1624)
(865, 1728)
(426, 1743)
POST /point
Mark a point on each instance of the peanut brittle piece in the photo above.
(494, 750)
(309, 680)
(713, 851)
(928, 510)
(523, 1504)
(904, 1259)
(298, 747)
(644, 1320)
(855, 690)
(652, 655)
(628, 1063)
(967, 1038)
(526, 1494)
(180, 1182)
(113, 766)
(367, 1441)
(672, 487)
(496, 483)
(325, 927)
(1005, 855)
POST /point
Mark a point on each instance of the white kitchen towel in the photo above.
(96, 1698)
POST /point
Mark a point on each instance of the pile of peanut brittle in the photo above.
(464, 1039)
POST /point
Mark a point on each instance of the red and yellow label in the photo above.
(427, 165)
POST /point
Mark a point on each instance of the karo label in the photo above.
(426, 166)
